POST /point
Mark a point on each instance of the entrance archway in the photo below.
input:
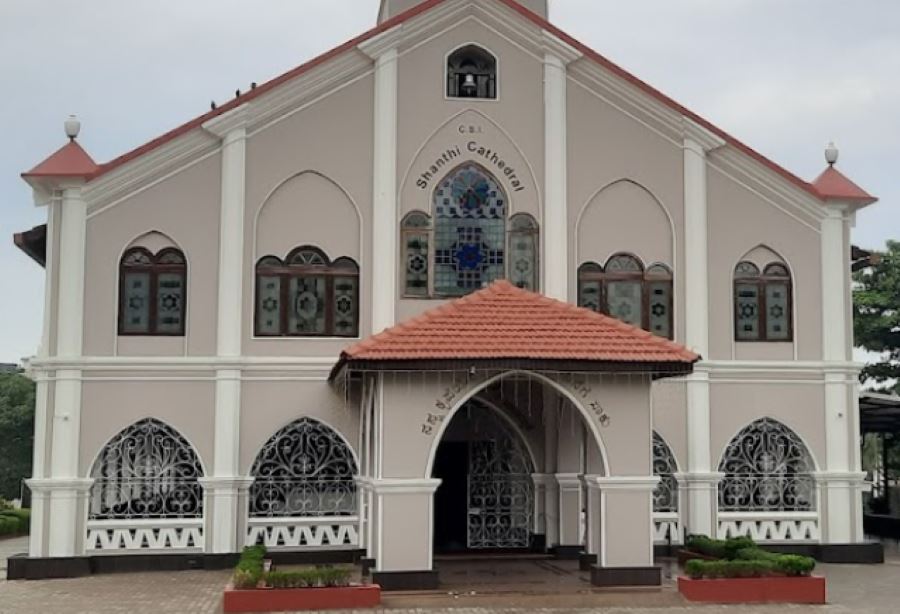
(486, 498)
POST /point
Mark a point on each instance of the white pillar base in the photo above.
(571, 504)
(405, 517)
(626, 533)
(65, 504)
(699, 494)
(226, 512)
(840, 506)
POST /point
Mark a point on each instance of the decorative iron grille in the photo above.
(147, 471)
(305, 469)
(665, 497)
(767, 468)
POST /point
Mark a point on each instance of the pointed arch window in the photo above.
(763, 303)
(152, 292)
(472, 73)
(146, 471)
(767, 468)
(307, 295)
(469, 243)
(665, 497)
(625, 290)
(305, 469)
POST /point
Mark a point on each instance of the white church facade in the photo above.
(458, 285)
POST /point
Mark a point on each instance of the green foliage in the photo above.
(248, 574)
(249, 571)
(16, 432)
(740, 557)
(876, 317)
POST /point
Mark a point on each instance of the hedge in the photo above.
(15, 522)
(741, 558)
(249, 573)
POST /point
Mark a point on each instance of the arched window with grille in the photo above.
(416, 230)
(152, 292)
(146, 471)
(767, 468)
(472, 73)
(305, 470)
(763, 303)
(307, 295)
(665, 497)
(625, 290)
(523, 251)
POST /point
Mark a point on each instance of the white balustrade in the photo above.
(144, 536)
(667, 528)
(770, 526)
(328, 533)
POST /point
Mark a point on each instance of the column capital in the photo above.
(711, 478)
(404, 486)
(45, 485)
(558, 49)
(568, 480)
(229, 126)
(218, 484)
(383, 43)
(840, 478)
(623, 482)
(698, 138)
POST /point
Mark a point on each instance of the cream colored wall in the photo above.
(109, 407)
(739, 222)
(185, 208)
(669, 398)
(268, 406)
(309, 182)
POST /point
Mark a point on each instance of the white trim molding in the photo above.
(402, 486)
(617, 482)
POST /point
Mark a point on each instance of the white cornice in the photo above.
(640, 483)
(701, 135)
(235, 119)
(389, 39)
(556, 46)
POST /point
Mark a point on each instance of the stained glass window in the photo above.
(624, 290)
(762, 303)
(307, 295)
(523, 250)
(470, 231)
(416, 233)
(152, 292)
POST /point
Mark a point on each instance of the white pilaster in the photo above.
(698, 141)
(385, 246)
(224, 482)
(626, 505)
(557, 54)
(841, 483)
(64, 500)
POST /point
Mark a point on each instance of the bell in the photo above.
(469, 82)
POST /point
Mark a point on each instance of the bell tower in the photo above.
(392, 8)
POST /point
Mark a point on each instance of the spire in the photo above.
(69, 161)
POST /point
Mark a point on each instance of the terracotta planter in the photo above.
(776, 589)
(293, 599)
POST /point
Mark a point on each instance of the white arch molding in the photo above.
(780, 421)
(284, 425)
(509, 422)
(565, 392)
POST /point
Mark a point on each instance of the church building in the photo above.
(461, 285)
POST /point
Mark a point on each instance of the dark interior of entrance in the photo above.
(485, 502)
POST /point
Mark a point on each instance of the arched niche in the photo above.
(308, 209)
(624, 216)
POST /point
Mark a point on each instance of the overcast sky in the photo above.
(784, 76)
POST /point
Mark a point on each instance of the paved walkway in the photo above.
(480, 588)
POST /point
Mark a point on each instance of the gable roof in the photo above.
(418, 10)
(70, 160)
(507, 324)
(834, 185)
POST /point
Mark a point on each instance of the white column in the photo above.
(700, 482)
(223, 485)
(569, 469)
(841, 482)
(626, 535)
(557, 55)
(385, 246)
(65, 499)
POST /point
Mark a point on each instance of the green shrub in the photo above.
(795, 565)
(22, 518)
(309, 577)
(249, 570)
(747, 562)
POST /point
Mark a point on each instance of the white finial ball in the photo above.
(73, 127)
(831, 153)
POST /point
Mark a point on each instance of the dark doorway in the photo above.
(450, 500)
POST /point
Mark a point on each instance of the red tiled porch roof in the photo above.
(505, 323)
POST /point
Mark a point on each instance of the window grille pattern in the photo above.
(767, 468)
(470, 231)
(416, 239)
(624, 290)
(147, 471)
(762, 303)
(307, 295)
(152, 292)
(523, 251)
(471, 73)
(305, 469)
(665, 497)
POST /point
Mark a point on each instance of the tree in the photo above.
(876, 317)
(16, 432)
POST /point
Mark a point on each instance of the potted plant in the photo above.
(737, 571)
(254, 588)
